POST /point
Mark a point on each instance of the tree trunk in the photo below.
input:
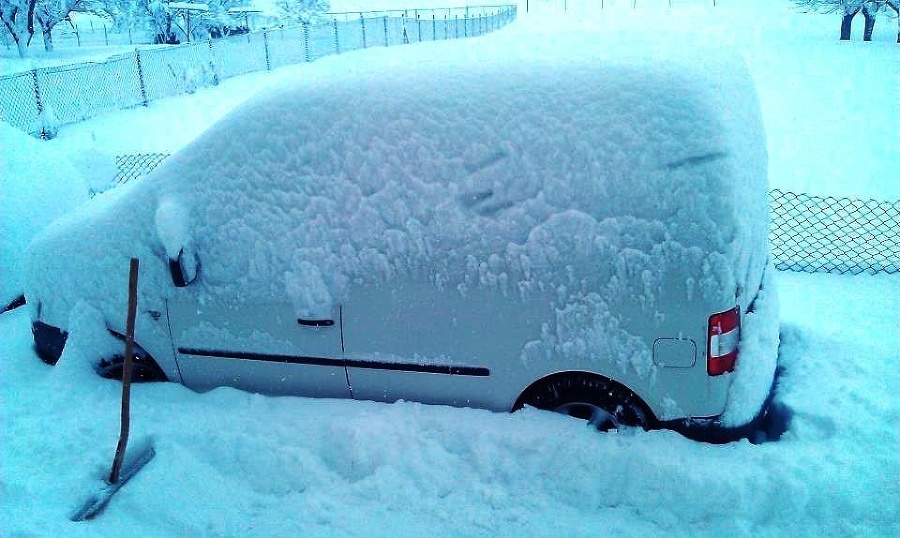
(895, 5)
(48, 39)
(870, 25)
(846, 23)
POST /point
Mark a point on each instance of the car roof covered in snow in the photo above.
(518, 135)
(516, 165)
(494, 142)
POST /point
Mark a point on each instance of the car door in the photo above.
(418, 342)
(259, 347)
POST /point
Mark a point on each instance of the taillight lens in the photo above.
(722, 341)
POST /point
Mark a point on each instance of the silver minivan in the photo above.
(568, 231)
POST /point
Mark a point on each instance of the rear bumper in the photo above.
(49, 341)
(710, 430)
(769, 424)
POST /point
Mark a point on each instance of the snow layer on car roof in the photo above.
(497, 165)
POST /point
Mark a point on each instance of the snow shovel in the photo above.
(122, 469)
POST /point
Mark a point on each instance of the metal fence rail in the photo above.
(810, 234)
(40, 100)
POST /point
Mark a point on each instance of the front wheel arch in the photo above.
(144, 366)
(562, 391)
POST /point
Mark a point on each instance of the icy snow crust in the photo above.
(600, 179)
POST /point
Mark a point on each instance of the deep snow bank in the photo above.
(37, 185)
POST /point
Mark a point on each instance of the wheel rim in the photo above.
(595, 415)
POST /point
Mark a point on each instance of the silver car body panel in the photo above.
(256, 347)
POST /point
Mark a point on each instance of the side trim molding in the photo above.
(446, 369)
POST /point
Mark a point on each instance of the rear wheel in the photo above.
(604, 404)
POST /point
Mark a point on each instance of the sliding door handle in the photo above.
(315, 322)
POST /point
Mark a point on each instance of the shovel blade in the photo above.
(97, 502)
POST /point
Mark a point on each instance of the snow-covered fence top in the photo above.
(808, 233)
(40, 100)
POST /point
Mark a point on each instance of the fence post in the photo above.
(433, 27)
(337, 43)
(306, 40)
(105, 36)
(385, 31)
(212, 62)
(137, 55)
(37, 96)
(362, 21)
(265, 47)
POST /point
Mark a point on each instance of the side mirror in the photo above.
(173, 228)
(184, 269)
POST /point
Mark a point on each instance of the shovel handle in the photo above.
(126, 372)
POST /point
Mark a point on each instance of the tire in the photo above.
(605, 404)
(143, 369)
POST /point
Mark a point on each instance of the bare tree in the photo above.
(849, 9)
(49, 13)
(18, 17)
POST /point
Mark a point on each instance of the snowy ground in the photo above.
(230, 463)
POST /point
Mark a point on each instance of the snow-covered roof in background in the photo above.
(188, 6)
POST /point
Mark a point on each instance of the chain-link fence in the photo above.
(810, 234)
(40, 100)
(135, 166)
(834, 235)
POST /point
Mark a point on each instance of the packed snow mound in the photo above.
(37, 185)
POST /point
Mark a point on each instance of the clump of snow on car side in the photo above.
(757, 356)
(308, 291)
(587, 329)
(173, 226)
(37, 185)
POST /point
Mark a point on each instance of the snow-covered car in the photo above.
(542, 227)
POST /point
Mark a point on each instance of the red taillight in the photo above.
(722, 341)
